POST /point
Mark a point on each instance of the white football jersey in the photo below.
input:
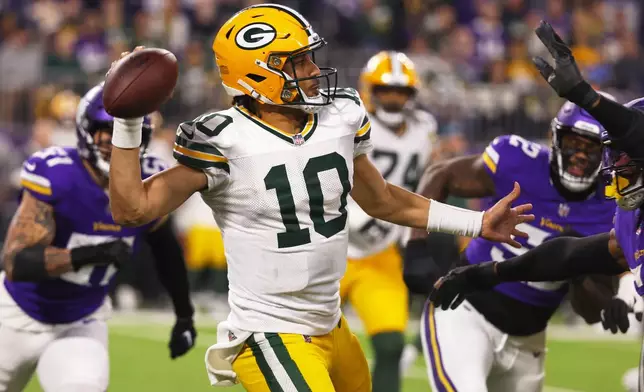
(401, 159)
(281, 203)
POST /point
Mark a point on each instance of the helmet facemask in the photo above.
(623, 178)
(576, 156)
(293, 93)
(392, 113)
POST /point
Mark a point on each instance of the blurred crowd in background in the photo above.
(473, 57)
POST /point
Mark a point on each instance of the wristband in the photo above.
(127, 132)
(454, 220)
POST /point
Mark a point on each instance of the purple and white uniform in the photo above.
(57, 327)
(495, 340)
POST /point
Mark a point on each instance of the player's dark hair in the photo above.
(248, 102)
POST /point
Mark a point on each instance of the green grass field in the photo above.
(577, 361)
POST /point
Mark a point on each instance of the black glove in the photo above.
(615, 315)
(426, 260)
(450, 290)
(565, 77)
(115, 252)
(182, 338)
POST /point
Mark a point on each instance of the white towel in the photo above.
(220, 356)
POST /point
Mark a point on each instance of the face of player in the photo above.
(581, 155)
(303, 66)
(392, 99)
(103, 141)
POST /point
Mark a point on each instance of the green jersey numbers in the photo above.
(277, 179)
(388, 161)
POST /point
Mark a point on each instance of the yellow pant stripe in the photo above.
(443, 383)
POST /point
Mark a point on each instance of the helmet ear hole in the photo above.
(255, 77)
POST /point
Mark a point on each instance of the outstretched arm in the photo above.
(385, 201)
(624, 125)
(425, 255)
(562, 258)
(134, 202)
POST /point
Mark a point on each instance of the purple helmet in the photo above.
(573, 173)
(91, 117)
(622, 176)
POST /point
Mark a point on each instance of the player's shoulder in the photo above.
(509, 152)
(49, 174)
(209, 126)
(201, 143)
(424, 122)
(346, 105)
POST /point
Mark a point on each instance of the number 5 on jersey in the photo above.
(277, 179)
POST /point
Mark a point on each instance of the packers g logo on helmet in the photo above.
(255, 36)
(253, 47)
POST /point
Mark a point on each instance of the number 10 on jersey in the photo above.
(277, 179)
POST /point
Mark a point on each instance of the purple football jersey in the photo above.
(628, 230)
(512, 158)
(57, 176)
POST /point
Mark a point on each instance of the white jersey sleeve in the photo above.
(196, 147)
(349, 103)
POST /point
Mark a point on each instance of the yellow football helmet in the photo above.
(388, 70)
(252, 48)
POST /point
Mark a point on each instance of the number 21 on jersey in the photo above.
(278, 180)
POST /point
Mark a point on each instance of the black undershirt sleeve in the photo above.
(171, 268)
(561, 259)
(624, 125)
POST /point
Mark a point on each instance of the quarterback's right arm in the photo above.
(135, 202)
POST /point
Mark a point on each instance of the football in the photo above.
(140, 82)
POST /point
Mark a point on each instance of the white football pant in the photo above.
(465, 353)
(67, 358)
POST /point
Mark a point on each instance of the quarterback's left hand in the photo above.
(182, 338)
(500, 221)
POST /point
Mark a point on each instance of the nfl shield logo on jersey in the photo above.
(564, 210)
(298, 139)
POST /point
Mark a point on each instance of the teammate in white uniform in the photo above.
(60, 257)
(402, 138)
(277, 169)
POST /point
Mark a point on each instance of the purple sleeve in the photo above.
(46, 175)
